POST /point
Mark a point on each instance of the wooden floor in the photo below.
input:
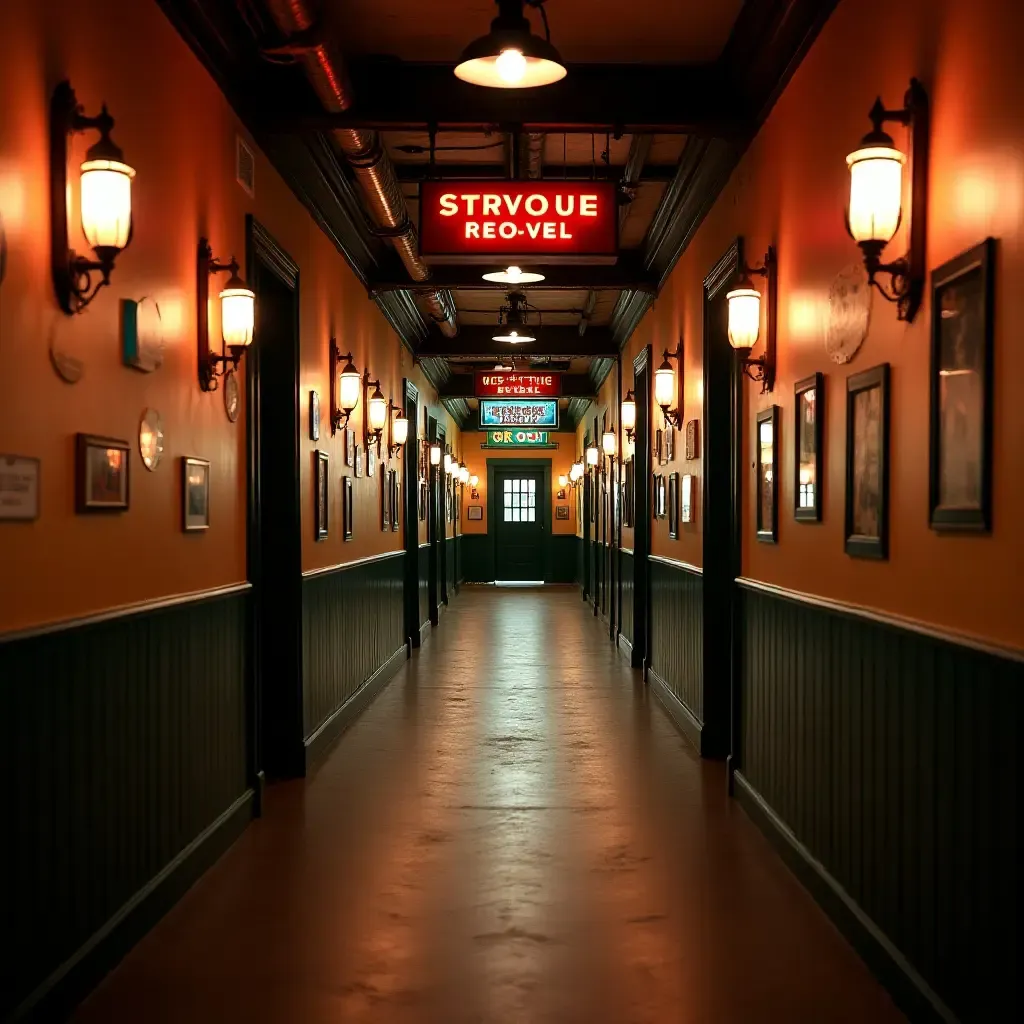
(514, 832)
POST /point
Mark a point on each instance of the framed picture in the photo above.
(350, 447)
(629, 494)
(673, 506)
(385, 502)
(19, 488)
(867, 463)
(322, 493)
(960, 444)
(768, 475)
(561, 511)
(314, 416)
(475, 513)
(101, 472)
(687, 500)
(346, 505)
(658, 448)
(396, 500)
(424, 494)
(810, 410)
(359, 463)
(195, 494)
(692, 439)
(659, 496)
(670, 443)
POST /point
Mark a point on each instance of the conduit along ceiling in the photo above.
(357, 105)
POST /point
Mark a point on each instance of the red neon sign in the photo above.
(507, 384)
(518, 219)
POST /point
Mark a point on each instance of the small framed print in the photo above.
(371, 459)
(19, 488)
(960, 463)
(475, 513)
(686, 499)
(809, 394)
(350, 447)
(659, 452)
(314, 416)
(670, 443)
(867, 463)
(359, 463)
(692, 439)
(396, 498)
(673, 506)
(195, 494)
(346, 505)
(322, 492)
(768, 475)
(101, 471)
(659, 496)
(424, 495)
(561, 511)
(385, 503)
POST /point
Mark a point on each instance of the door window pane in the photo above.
(519, 501)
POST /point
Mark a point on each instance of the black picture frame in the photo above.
(673, 506)
(961, 385)
(92, 494)
(350, 447)
(561, 511)
(195, 494)
(808, 436)
(658, 448)
(767, 489)
(346, 506)
(867, 464)
(385, 501)
(475, 513)
(314, 416)
(396, 501)
(422, 501)
(670, 443)
(321, 494)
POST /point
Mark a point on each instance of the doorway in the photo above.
(274, 535)
(520, 497)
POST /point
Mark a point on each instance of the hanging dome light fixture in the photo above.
(510, 56)
(512, 325)
(513, 275)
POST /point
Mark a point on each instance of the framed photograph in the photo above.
(960, 444)
(659, 496)
(768, 475)
(561, 511)
(658, 448)
(810, 411)
(385, 502)
(19, 488)
(371, 459)
(314, 416)
(359, 463)
(670, 443)
(867, 463)
(101, 474)
(475, 513)
(322, 494)
(687, 500)
(195, 494)
(424, 494)
(673, 506)
(692, 439)
(350, 447)
(346, 505)
(396, 500)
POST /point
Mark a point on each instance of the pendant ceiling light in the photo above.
(513, 275)
(512, 326)
(510, 56)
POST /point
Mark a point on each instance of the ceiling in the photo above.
(661, 97)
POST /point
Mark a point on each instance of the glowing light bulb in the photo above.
(511, 66)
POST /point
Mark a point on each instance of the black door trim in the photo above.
(433, 473)
(410, 490)
(640, 656)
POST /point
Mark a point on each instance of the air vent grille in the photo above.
(245, 166)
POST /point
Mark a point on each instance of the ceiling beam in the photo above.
(557, 278)
(476, 340)
(574, 385)
(414, 173)
(618, 98)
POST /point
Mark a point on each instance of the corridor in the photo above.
(513, 832)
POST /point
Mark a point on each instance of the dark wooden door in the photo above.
(520, 500)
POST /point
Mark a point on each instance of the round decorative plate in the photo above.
(231, 397)
(151, 439)
(849, 313)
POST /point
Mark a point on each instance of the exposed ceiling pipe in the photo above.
(531, 155)
(363, 149)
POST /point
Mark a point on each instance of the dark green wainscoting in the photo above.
(353, 642)
(676, 665)
(562, 561)
(424, 590)
(477, 558)
(124, 757)
(885, 762)
(579, 562)
(626, 610)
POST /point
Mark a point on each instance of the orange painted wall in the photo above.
(179, 132)
(476, 460)
(790, 190)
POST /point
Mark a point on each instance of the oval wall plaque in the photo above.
(849, 313)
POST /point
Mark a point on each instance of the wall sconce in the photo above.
(876, 197)
(474, 480)
(105, 193)
(667, 389)
(344, 387)
(576, 473)
(237, 317)
(628, 414)
(398, 429)
(447, 463)
(375, 411)
(435, 454)
(463, 475)
(609, 444)
(745, 318)
(593, 457)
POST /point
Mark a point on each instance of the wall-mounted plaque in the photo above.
(19, 488)
(692, 439)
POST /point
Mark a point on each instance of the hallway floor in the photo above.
(513, 832)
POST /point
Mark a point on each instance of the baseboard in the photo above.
(626, 649)
(424, 632)
(677, 710)
(909, 990)
(321, 741)
(70, 983)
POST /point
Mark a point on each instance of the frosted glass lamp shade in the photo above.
(377, 411)
(628, 412)
(664, 385)
(876, 193)
(435, 455)
(237, 313)
(106, 192)
(744, 317)
(608, 442)
(348, 387)
(593, 456)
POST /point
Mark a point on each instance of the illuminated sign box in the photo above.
(555, 221)
(518, 439)
(525, 413)
(506, 384)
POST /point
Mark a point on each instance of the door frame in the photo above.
(640, 656)
(722, 538)
(410, 473)
(433, 472)
(265, 257)
(526, 465)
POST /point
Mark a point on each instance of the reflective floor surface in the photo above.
(513, 832)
